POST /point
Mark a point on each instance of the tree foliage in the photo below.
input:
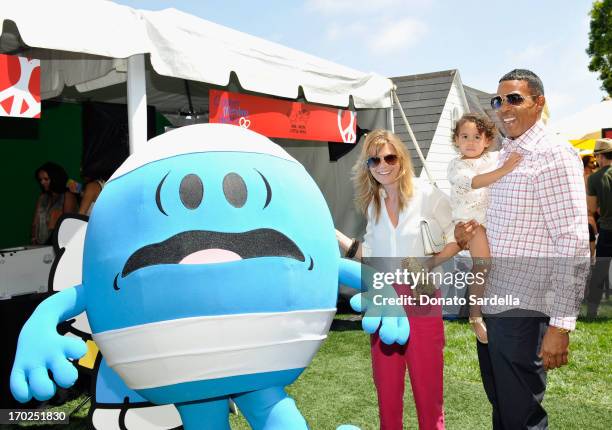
(600, 43)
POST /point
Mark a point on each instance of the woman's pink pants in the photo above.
(423, 356)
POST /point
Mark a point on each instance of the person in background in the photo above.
(394, 204)
(590, 166)
(589, 163)
(53, 201)
(92, 190)
(94, 181)
(599, 201)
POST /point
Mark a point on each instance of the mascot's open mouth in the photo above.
(208, 247)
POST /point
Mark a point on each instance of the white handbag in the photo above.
(432, 236)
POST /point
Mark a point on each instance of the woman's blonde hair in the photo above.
(367, 189)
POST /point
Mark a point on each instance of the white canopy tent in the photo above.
(87, 48)
(181, 46)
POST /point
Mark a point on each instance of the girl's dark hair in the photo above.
(57, 177)
(484, 125)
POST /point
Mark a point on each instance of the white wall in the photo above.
(442, 151)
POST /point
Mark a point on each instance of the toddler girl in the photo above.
(469, 175)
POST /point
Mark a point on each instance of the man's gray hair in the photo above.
(533, 81)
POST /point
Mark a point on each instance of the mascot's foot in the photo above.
(141, 418)
(347, 427)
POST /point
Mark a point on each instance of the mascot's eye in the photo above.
(268, 189)
(191, 191)
(235, 190)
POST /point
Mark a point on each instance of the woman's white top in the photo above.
(382, 239)
(466, 202)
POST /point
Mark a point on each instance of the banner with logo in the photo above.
(283, 119)
(19, 86)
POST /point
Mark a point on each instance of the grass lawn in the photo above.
(337, 387)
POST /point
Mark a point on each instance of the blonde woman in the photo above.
(395, 203)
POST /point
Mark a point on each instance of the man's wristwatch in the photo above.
(562, 330)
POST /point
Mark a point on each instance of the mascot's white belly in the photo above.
(211, 347)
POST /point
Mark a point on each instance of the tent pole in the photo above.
(137, 102)
(414, 141)
(390, 120)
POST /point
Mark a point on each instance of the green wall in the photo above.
(59, 140)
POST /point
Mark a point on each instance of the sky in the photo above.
(482, 39)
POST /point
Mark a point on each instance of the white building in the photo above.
(432, 103)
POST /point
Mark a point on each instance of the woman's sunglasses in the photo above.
(513, 99)
(390, 159)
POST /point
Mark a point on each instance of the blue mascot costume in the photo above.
(210, 271)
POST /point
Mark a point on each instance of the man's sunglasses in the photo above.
(513, 99)
(390, 159)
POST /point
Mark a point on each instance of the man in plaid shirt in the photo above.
(538, 236)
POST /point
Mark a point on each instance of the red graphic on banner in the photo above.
(19, 86)
(283, 119)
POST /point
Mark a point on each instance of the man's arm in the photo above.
(592, 202)
(592, 205)
(560, 191)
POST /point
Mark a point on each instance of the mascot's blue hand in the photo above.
(347, 427)
(39, 349)
(393, 329)
(361, 303)
(403, 330)
(357, 302)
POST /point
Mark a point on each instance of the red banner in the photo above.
(19, 86)
(283, 119)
